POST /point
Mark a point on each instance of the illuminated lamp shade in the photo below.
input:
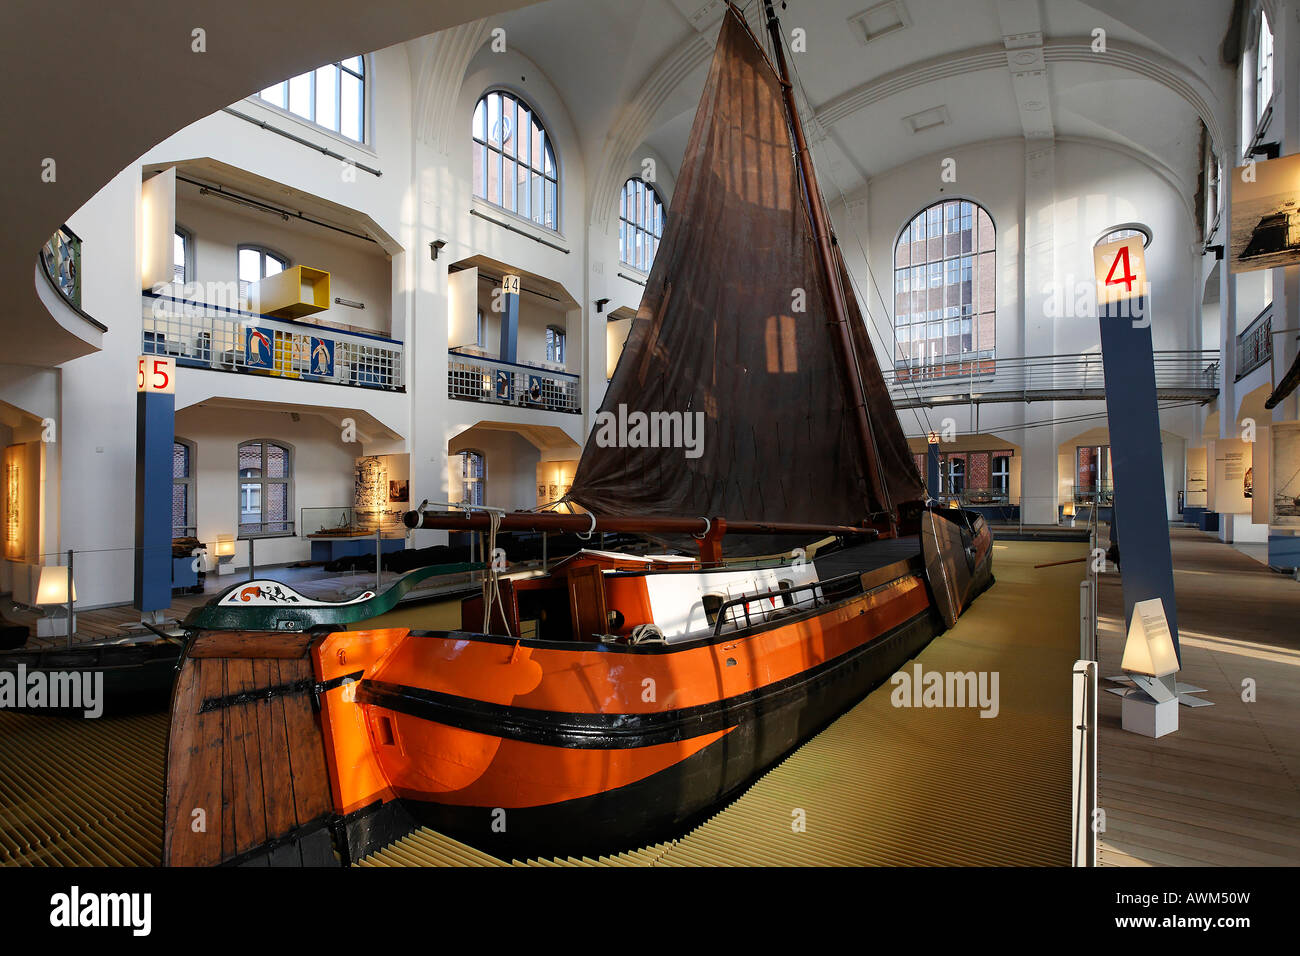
(954, 503)
(1068, 509)
(1149, 648)
(53, 587)
(225, 546)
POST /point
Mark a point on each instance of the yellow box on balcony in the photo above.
(291, 294)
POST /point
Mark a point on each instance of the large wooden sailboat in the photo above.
(615, 698)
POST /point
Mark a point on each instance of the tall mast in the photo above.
(821, 230)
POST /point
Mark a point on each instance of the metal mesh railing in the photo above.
(1189, 374)
(208, 336)
(1255, 344)
(477, 379)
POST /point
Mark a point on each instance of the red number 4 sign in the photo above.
(1121, 270)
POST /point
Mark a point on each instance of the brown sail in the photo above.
(735, 333)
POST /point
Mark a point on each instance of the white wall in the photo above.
(323, 471)
(359, 270)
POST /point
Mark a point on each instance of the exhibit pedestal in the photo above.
(1283, 551)
(1143, 714)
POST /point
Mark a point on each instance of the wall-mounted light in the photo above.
(435, 247)
(1267, 150)
(600, 304)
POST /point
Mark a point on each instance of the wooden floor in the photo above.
(1224, 790)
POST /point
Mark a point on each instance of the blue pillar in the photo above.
(1140, 511)
(510, 319)
(155, 429)
(932, 470)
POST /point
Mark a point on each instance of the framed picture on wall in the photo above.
(399, 489)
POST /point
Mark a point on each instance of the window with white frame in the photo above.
(944, 298)
(265, 489)
(640, 224)
(182, 249)
(1263, 67)
(1001, 474)
(514, 159)
(184, 524)
(255, 264)
(332, 96)
(473, 477)
(555, 344)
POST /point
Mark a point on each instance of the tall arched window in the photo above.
(265, 489)
(514, 162)
(184, 523)
(640, 224)
(473, 477)
(944, 291)
(333, 96)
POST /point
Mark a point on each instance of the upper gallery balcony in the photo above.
(223, 339)
(510, 342)
(63, 331)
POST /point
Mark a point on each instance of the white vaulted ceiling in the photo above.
(97, 84)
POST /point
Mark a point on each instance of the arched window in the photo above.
(640, 224)
(265, 489)
(184, 522)
(255, 264)
(555, 344)
(332, 96)
(944, 290)
(1126, 231)
(514, 162)
(473, 477)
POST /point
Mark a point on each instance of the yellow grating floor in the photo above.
(903, 786)
(879, 786)
(81, 792)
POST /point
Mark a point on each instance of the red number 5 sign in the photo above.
(156, 375)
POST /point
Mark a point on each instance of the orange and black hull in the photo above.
(705, 755)
(536, 746)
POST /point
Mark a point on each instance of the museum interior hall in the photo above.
(647, 420)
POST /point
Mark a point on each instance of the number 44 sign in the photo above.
(1121, 269)
(156, 375)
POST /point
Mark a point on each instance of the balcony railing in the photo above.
(1255, 344)
(1102, 494)
(200, 335)
(477, 379)
(62, 259)
(1188, 375)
